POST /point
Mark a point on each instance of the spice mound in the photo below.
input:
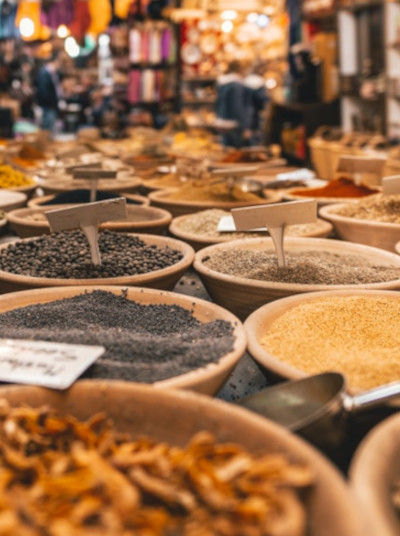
(306, 267)
(66, 255)
(144, 343)
(62, 476)
(11, 178)
(358, 336)
(205, 223)
(337, 188)
(218, 192)
(381, 208)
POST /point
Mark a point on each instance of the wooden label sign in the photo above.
(88, 217)
(275, 218)
(361, 164)
(232, 171)
(391, 185)
(48, 364)
(96, 173)
(71, 169)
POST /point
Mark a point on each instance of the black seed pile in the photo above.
(66, 255)
(143, 343)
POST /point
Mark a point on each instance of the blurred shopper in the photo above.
(231, 99)
(256, 100)
(47, 89)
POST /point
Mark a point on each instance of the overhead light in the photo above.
(104, 40)
(62, 31)
(262, 20)
(26, 27)
(71, 47)
(252, 17)
(271, 83)
(227, 26)
(229, 14)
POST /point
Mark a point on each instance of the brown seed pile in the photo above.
(306, 267)
(358, 336)
(381, 208)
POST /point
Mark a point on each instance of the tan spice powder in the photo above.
(358, 336)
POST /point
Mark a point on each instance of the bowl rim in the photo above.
(328, 213)
(290, 195)
(275, 309)
(181, 381)
(183, 264)
(351, 247)
(39, 201)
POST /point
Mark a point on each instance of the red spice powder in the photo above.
(338, 188)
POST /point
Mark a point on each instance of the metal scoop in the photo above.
(317, 406)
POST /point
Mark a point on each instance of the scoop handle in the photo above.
(372, 398)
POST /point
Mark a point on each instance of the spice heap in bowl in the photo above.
(12, 179)
(373, 221)
(356, 333)
(337, 190)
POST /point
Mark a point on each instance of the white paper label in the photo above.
(299, 174)
(227, 225)
(48, 364)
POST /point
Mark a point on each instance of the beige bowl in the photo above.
(258, 323)
(397, 248)
(174, 416)
(321, 201)
(166, 278)
(141, 219)
(198, 241)
(371, 233)
(38, 201)
(206, 379)
(56, 186)
(243, 296)
(374, 469)
(11, 200)
(179, 208)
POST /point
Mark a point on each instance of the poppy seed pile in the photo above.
(66, 255)
(144, 343)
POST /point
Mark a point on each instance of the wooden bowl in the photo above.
(141, 219)
(133, 198)
(372, 233)
(198, 241)
(206, 379)
(243, 296)
(180, 208)
(11, 200)
(166, 278)
(175, 416)
(258, 323)
(55, 186)
(374, 470)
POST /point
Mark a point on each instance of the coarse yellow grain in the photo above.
(358, 336)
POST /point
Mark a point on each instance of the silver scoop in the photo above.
(317, 406)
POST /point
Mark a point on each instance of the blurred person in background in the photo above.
(256, 100)
(231, 100)
(47, 89)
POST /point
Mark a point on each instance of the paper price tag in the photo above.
(47, 364)
(275, 218)
(391, 185)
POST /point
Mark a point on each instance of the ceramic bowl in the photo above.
(55, 186)
(321, 201)
(243, 296)
(166, 278)
(374, 470)
(11, 200)
(371, 233)
(175, 416)
(131, 198)
(206, 379)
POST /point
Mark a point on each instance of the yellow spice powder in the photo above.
(358, 336)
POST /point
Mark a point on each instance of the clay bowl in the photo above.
(243, 296)
(11, 200)
(206, 379)
(321, 201)
(374, 470)
(258, 323)
(180, 208)
(175, 416)
(120, 184)
(198, 241)
(64, 198)
(141, 219)
(372, 233)
(397, 248)
(166, 278)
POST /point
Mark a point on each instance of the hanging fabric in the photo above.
(30, 9)
(134, 45)
(100, 14)
(57, 12)
(8, 11)
(81, 21)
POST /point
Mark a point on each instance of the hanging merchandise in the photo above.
(81, 22)
(28, 21)
(150, 86)
(54, 13)
(121, 8)
(8, 28)
(100, 14)
(151, 43)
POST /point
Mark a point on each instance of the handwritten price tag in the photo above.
(48, 364)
